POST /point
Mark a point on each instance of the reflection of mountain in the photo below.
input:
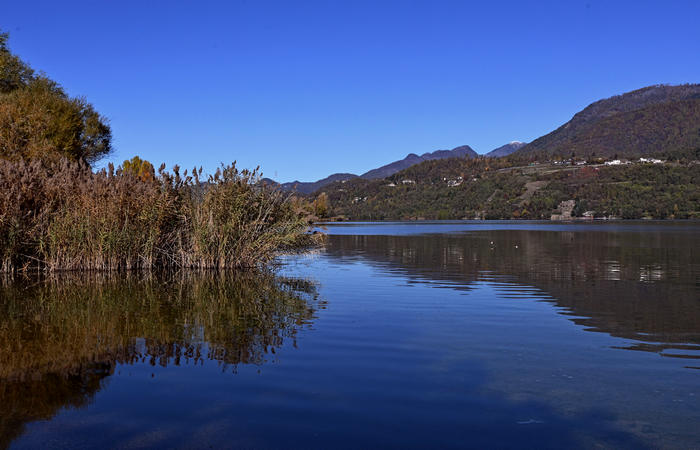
(630, 285)
(59, 340)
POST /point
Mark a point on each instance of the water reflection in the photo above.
(640, 286)
(394, 363)
(60, 340)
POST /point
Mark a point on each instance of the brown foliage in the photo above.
(62, 216)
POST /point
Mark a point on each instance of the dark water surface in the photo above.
(460, 335)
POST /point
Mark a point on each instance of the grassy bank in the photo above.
(64, 216)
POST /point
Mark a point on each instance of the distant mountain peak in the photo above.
(413, 159)
(306, 187)
(505, 150)
(463, 151)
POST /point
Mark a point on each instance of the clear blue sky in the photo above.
(306, 88)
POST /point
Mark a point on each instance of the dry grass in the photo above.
(63, 216)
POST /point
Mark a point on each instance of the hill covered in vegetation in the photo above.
(578, 170)
(644, 122)
(507, 188)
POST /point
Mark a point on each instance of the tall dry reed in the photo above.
(63, 216)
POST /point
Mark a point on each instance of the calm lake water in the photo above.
(454, 335)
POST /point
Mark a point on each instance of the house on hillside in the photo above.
(617, 162)
(454, 183)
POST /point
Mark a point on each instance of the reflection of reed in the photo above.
(59, 327)
(39, 399)
(60, 339)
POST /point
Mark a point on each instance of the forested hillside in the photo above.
(412, 159)
(488, 188)
(576, 171)
(643, 122)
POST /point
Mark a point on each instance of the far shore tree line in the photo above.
(514, 187)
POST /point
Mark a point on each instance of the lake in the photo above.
(395, 335)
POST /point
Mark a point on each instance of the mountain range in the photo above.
(411, 159)
(540, 181)
(312, 186)
(653, 120)
(384, 171)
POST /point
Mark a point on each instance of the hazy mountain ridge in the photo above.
(381, 172)
(505, 150)
(413, 159)
(309, 187)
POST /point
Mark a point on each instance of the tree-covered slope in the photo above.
(647, 121)
(309, 187)
(505, 188)
(560, 174)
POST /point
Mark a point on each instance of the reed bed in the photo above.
(63, 216)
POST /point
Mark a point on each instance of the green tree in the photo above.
(39, 120)
(14, 73)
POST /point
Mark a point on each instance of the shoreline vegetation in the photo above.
(57, 213)
(63, 216)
